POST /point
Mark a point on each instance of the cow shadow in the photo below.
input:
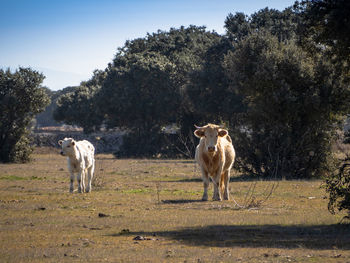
(319, 237)
(188, 180)
(240, 178)
(182, 201)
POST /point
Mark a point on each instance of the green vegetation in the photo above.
(21, 98)
(76, 105)
(294, 102)
(338, 187)
(45, 118)
(12, 178)
(326, 22)
(15, 178)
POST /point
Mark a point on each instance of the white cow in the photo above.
(81, 161)
(215, 155)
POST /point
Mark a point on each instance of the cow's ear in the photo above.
(73, 142)
(60, 142)
(199, 133)
(222, 132)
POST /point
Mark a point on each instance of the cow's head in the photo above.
(67, 146)
(210, 133)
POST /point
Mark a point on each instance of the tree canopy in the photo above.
(326, 23)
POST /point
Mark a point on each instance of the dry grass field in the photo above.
(149, 211)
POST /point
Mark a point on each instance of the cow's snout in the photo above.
(211, 149)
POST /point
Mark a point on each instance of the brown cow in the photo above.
(215, 155)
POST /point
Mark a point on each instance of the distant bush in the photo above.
(338, 187)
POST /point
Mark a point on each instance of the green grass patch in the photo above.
(180, 192)
(12, 178)
(138, 191)
(18, 178)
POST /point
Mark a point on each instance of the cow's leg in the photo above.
(205, 178)
(83, 188)
(71, 188)
(90, 176)
(226, 180)
(216, 178)
(222, 184)
(80, 180)
(216, 183)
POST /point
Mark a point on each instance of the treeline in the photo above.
(274, 79)
(45, 118)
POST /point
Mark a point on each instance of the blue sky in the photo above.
(67, 39)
